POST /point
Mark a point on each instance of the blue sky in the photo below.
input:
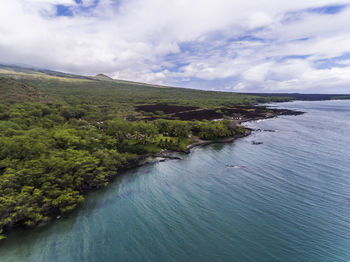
(245, 46)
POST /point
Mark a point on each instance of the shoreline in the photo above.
(169, 154)
(162, 156)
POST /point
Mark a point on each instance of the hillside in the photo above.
(103, 77)
(13, 91)
(121, 97)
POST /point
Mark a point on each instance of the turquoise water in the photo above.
(287, 199)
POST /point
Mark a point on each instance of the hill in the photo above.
(103, 77)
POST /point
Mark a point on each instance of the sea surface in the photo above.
(287, 199)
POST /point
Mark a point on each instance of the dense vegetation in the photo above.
(51, 154)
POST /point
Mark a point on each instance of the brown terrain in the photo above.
(240, 113)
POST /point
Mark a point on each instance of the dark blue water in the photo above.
(287, 199)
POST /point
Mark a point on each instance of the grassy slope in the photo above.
(101, 89)
(12, 91)
(121, 96)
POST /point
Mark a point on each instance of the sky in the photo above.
(228, 45)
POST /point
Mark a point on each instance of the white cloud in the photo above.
(175, 41)
(259, 19)
(257, 73)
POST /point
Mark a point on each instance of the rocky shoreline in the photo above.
(169, 154)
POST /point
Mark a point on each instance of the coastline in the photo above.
(164, 155)
(169, 154)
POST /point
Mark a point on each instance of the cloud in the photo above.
(257, 45)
